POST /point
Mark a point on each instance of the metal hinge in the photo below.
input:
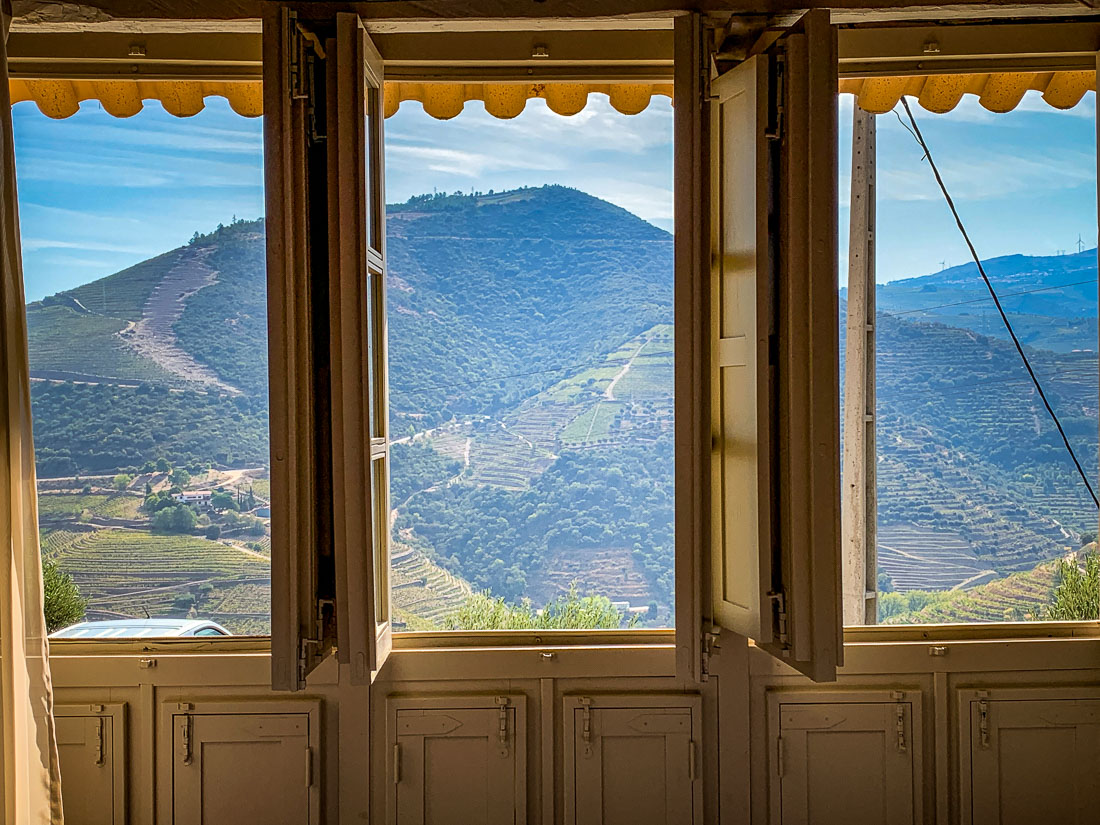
(305, 50)
(983, 719)
(780, 756)
(586, 724)
(709, 647)
(502, 720)
(185, 737)
(303, 646)
(397, 764)
(780, 601)
(100, 757)
(775, 103)
(899, 714)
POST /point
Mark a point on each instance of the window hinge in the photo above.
(899, 714)
(304, 50)
(309, 767)
(775, 103)
(779, 599)
(502, 718)
(586, 725)
(397, 764)
(303, 657)
(780, 756)
(710, 647)
(983, 719)
(100, 757)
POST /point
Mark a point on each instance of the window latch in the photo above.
(983, 719)
(899, 712)
(100, 757)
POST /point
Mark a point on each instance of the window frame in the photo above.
(616, 51)
(868, 51)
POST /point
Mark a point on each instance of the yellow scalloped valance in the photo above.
(183, 98)
(997, 92)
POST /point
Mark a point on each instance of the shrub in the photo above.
(62, 602)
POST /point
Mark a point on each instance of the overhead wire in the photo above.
(916, 133)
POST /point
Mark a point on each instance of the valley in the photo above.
(531, 365)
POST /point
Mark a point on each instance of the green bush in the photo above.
(62, 602)
(569, 612)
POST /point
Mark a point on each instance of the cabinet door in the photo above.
(1034, 761)
(846, 762)
(626, 765)
(241, 768)
(458, 765)
(92, 775)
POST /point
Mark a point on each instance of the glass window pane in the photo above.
(529, 307)
(982, 515)
(143, 246)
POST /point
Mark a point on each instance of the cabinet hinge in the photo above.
(983, 719)
(780, 756)
(100, 757)
(502, 721)
(779, 599)
(691, 761)
(397, 764)
(185, 739)
(309, 767)
(899, 715)
(586, 724)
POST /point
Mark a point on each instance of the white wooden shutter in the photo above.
(775, 352)
(360, 439)
(302, 579)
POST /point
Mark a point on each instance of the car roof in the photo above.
(134, 628)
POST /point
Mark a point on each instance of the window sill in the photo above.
(1003, 631)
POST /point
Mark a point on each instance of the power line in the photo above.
(993, 294)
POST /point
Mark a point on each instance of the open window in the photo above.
(774, 349)
(326, 265)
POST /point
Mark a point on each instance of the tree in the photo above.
(122, 481)
(180, 478)
(222, 501)
(213, 532)
(572, 611)
(162, 465)
(62, 602)
(178, 519)
(1077, 595)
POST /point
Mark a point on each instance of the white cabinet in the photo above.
(1033, 756)
(839, 762)
(632, 759)
(229, 766)
(457, 760)
(91, 745)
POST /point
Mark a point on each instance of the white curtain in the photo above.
(31, 790)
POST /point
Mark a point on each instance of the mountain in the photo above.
(1051, 300)
(531, 361)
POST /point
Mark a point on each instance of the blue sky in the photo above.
(98, 193)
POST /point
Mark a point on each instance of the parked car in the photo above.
(140, 628)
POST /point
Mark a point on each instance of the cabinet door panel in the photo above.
(626, 765)
(456, 765)
(846, 762)
(1035, 761)
(241, 768)
(85, 747)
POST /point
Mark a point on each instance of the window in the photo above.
(962, 503)
(530, 318)
(143, 246)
